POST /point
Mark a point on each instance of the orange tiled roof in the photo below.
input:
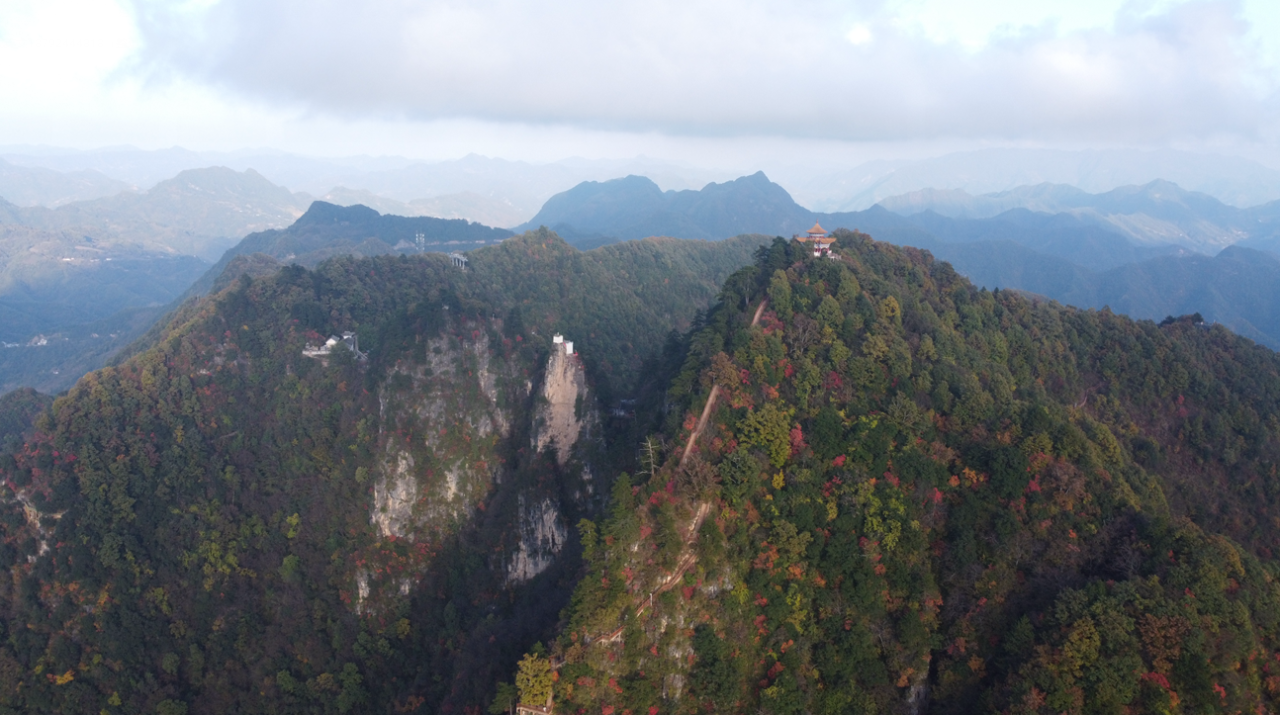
(816, 229)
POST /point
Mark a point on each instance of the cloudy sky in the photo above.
(701, 80)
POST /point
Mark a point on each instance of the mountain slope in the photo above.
(229, 525)
(887, 491)
(862, 485)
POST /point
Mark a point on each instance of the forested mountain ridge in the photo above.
(327, 230)
(886, 491)
(907, 495)
(221, 523)
(1129, 248)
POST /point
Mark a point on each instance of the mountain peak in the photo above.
(321, 212)
(633, 207)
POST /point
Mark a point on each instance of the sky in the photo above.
(711, 82)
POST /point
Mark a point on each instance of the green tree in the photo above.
(780, 295)
(769, 428)
(534, 679)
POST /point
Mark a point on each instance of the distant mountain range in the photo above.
(79, 281)
(496, 192)
(1234, 180)
(822, 184)
(1139, 250)
(1157, 213)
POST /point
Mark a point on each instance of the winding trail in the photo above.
(711, 399)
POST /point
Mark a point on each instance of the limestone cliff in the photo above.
(443, 420)
(559, 419)
(542, 535)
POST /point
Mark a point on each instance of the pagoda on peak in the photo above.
(819, 239)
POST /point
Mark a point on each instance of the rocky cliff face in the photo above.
(542, 536)
(445, 435)
(559, 420)
(443, 422)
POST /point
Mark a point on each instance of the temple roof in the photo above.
(816, 229)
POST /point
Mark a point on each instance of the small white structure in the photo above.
(459, 260)
(558, 339)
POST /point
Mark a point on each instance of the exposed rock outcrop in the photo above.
(451, 404)
(442, 420)
(394, 496)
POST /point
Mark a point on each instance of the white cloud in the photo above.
(859, 35)
(714, 67)
(51, 48)
(440, 79)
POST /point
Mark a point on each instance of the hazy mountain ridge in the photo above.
(80, 281)
(199, 212)
(1159, 212)
(1233, 180)
(464, 205)
(36, 186)
(442, 186)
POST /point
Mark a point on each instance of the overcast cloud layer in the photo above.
(762, 67)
